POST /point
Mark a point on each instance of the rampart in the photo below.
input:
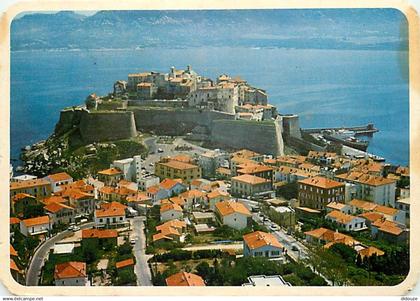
(257, 136)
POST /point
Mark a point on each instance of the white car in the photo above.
(133, 241)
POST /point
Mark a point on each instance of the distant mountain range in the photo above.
(304, 28)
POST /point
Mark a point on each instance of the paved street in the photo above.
(144, 277)
(34, 270)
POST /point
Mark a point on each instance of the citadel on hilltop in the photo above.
(226, 112)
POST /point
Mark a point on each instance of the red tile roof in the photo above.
(72, 269)
(184, 279)
(41, 220)
(58, 177)
(99, 233)
(124, 263)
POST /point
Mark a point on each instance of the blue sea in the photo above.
(324, 87)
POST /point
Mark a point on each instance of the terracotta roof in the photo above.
(172, 223)
(245, 153)
(371, 216)
(110, 172)
(171, 206)
(21, 196)
(321, 182)
(58, 177)
(54, 199)
(340, 217)
(369, 251)
(224, 171)
(14, 220)
(153, 189)
(99, 233)
(331, 236)
(72, 269)
(229, 207)
(41, 220)
(140, 197)
(13, 251)
(111, 209)
(184, 279)
(29, 183)
(386, 210)
(216, 193)
(55, 207)
(175, 200)
(315, 154)
(106, 190)
(124, 263)
(169, 183)
(13, 266)
(182, 158)
(79, 185)
(168, 230)
(178, 165)
(336, 205)
(365, 178)
(260, 239)
(364, 205)
(160, 236)
(193, 193)
(388, 227)
(250, 179)
(76, 194)
(249, 168)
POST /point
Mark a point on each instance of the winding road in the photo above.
(37, 261)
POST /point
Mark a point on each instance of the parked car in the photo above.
(295, 248)
(133, 241)
(76, 228)
(160, 150)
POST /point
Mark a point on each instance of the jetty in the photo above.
(368, 129)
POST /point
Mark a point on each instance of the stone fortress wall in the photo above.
(222, 128)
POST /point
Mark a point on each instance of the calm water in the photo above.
(325, 87)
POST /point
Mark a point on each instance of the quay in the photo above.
(368, 129)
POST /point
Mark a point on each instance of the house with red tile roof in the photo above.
(110, 215)
(16, 272)
(170, 211)
(184, 279)
(40, 225)
(346, 221)
(20, 201)
(99, 238)
(110, 176)
(60, 213)
(232, 214)
(262, 244)
(71, 273)
(167, 188)
(58, 179)
(216, 196)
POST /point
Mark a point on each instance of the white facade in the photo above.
(106, 221)
(76, 281)
(35, 229)
(130, 167)
(235, 220)
(146, 182)
(211, 160)
(355, 224)
(170, 215)
(264, 251)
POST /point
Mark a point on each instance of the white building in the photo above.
(262, 244)
(404, 206)
(149, 181)
(211, 160)
(264, 281)
(71, 273)
(110, 215)
(170, 211)
(130, 167)
(58, 179)
(346, 221)
(372, 188)
(36, 226)
(233, 214)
